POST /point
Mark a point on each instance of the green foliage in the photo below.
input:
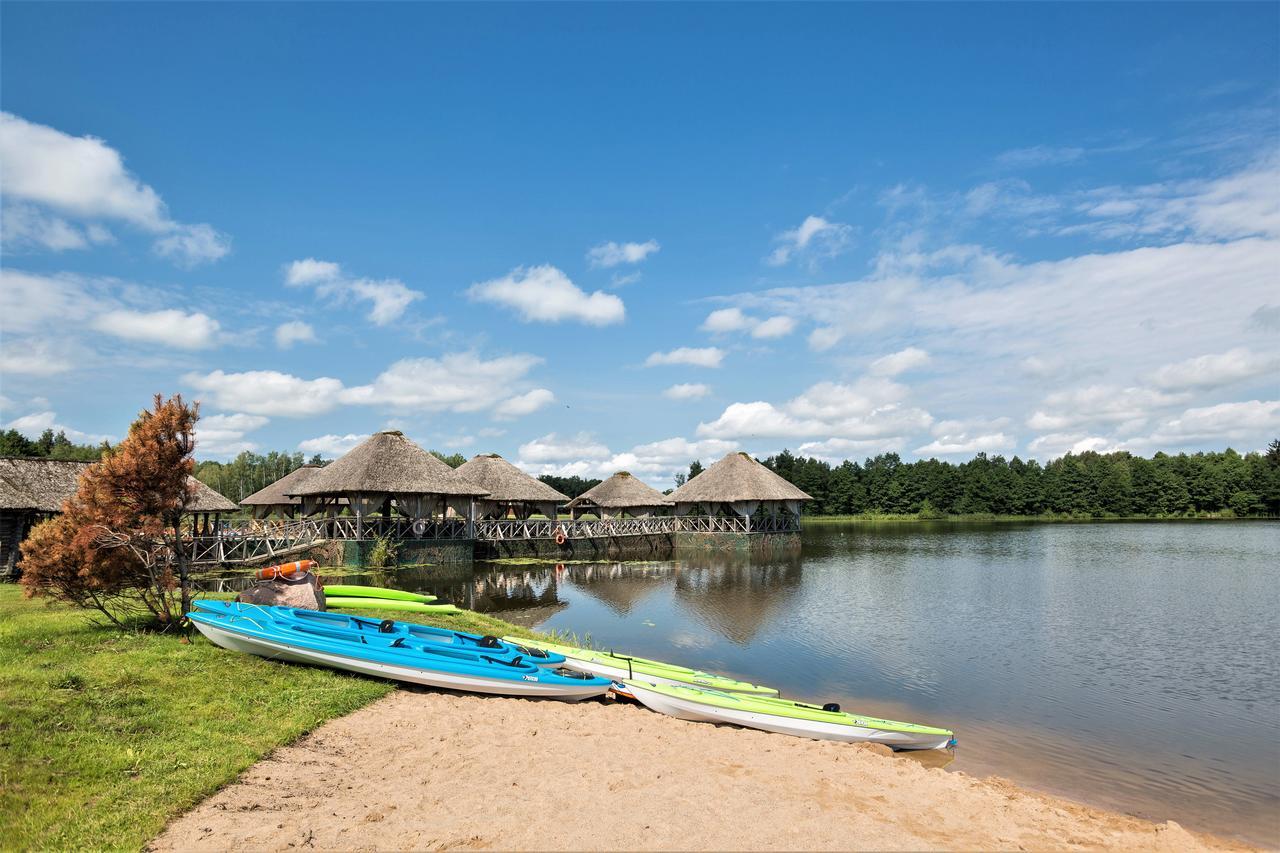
(1087, 485)
(249, 472)
(453, 460)
(383, 553)
(49, 446)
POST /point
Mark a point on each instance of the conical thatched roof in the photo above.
(43, 485)
(505, 482)
(280, 493)
(737, 477)
(621, 490)
(387, 462)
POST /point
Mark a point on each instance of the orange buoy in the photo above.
(560, 537)
(287, 570)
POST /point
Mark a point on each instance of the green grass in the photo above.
(107, 734)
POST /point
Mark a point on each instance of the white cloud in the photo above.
(692, 356)
(189, 245)
(268, 392)
(553, 449)
(1039, 155)
(911, 358)
(612, 254)
(727, 320)
(951, 444)
(815, 237)
(331, 446)
(294, 332)
(1097, 404)
(389, 298)
(687, 391)
(26, 225)
(34, 424)
(456, 382)
(867, 409)
(31, 358)
(524, 404)
(545, 294)
(824, 338)
(1255, 420)
(84, 178)
(224, 435)
(1053, 445)
(311, 271)
(169, 327)
(584, 456)
(840, 449)
(1212, 371)
(774, 327)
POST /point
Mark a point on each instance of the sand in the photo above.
(424, 770)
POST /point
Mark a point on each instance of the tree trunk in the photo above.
(184, 579)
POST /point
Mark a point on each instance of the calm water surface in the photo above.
(1135, 666)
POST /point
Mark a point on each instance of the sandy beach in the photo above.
(428, 770)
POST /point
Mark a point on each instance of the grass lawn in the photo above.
(107, 734)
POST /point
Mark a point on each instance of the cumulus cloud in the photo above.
(544, 294)
(911, 358)
(726, 320)
(815, 237)
(389, 298)
(55, 175)
(824, 338)
(1057, 444)
(31, 358)
(612, 254)
(839, 449)
(268, 392)
(26, 225)
(1245, 420)
(687, 391)
(963, 443)
(331, 446)
(866, 409)
(171, 327)
(224, 434)
(294, 332)
(524, 404)
(555, 449)
(774, 327)
(1213, 371)
(692, 356)
(584, 456)
(1097, 404)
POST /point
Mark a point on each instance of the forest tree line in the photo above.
(1088, 484)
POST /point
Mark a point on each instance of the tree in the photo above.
(119, 538)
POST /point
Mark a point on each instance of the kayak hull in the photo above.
(354, 591)
(690, 709)
(281, 649)
(342, 601)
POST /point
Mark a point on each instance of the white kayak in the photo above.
(397, 658)
(785, 717)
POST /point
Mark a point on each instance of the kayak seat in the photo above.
(831, 707)
(387, 626)
(489, 643)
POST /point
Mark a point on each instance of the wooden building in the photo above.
(278, 498)
(620, 495)
(739, 486)
(511, 492)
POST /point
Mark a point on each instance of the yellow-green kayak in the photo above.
(620, 667)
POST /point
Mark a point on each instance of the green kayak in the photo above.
(771, 714)
(352, 591)
(340, 601)
(619, 667)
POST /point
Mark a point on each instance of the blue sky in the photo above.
(592, 237)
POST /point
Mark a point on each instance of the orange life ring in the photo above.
(287, 570)
(560, 537)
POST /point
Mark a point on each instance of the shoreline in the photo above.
(430, 769)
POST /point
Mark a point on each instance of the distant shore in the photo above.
(1050, 518)
(430, 770)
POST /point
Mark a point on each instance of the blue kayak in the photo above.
(396, 656)
(362, 625)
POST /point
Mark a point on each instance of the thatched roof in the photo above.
(620, 490)
(387, 462)
(38, 484)
(505, 482)
(280, 492)
(43, 484)
(737, 477)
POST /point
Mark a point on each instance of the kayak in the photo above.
(353, 591)
(363, 625)
(623, 667)
(388, 604)
(395, 657)
(785, 717)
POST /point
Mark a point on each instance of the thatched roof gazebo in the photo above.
(738, 485)
(385, 474)
(279, 497)
(621, 494)
(510, 490)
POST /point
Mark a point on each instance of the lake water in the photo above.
(1134, 666)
